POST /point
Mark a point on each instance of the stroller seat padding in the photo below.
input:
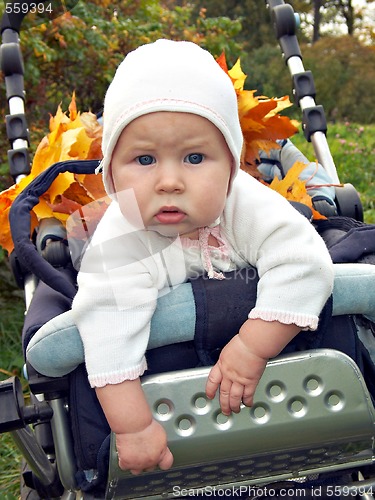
(56, 348)
(353, 287)
(311, 412)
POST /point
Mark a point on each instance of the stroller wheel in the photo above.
(27, 493)
(32, 489)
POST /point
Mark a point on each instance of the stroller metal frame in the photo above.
(299, 396)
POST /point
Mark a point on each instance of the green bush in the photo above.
(344, 74)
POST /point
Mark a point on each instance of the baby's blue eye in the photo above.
(194, 158)
(145, 160)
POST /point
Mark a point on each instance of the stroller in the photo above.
(310, 432)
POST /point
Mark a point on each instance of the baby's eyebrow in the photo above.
(140, 145)
(195, 143)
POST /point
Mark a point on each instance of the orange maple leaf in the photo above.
(82, 223)
(262, 125)
(260, 122)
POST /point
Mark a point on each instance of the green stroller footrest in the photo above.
(312, 413)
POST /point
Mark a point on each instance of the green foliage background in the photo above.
(79, 52)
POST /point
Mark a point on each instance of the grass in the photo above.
(11, 362)
(353, 148)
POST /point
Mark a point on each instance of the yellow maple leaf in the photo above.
(262, 126)
(294, 189)
(238, 76)
(72, 136)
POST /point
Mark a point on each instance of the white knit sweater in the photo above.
(125, 269)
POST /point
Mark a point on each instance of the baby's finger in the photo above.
(135, 472)
(166, 461)
(225, 389)
(214, 379)
(235, 396)
(248, 395)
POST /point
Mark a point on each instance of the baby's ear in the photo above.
(110, 184)
(231, 178)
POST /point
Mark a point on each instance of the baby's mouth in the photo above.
(170, 215)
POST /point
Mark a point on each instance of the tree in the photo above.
(253, 15)
(344, 74)
(345, 9)
(80, 50)
(336, 14)
(317, 20)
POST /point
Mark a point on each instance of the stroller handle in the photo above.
(20, 219)
(314, 122)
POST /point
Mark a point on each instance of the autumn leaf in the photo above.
(262, 126)
(82, 222)
(222, 62)
(92, 184)
(6, 199)
(238, 76)
(294, 189)
(259, 117)
(72, 108)
(73, 136)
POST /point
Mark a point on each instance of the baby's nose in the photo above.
(170, 179)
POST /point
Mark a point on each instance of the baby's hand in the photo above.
(144, 450)
(237, 372)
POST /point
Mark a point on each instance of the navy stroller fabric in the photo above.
(20, 221)
(348, 240)
(47, 303)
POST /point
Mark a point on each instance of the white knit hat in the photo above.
(169, 76)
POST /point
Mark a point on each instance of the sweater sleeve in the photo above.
(113, 312)
(117, 293)
(294, 266)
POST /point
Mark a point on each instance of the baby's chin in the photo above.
(168, 231)
(171, 231)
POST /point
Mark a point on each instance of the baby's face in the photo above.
(178, 165)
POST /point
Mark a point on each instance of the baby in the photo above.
(172, 146)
